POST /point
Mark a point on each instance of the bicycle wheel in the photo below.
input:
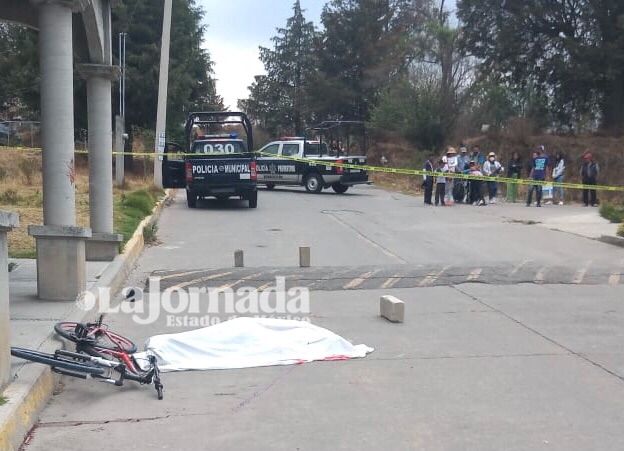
(104, 338)
(56, 362)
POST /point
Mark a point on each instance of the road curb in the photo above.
(615, 240)
(33, 386)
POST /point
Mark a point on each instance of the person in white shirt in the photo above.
(452, 161)
(492, 168)
(557, 175)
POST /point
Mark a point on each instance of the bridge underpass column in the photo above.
(8, 221)
(104, 244)
(61, 270)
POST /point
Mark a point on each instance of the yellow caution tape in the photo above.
(383, 169)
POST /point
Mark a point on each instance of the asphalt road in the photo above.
(512, 336)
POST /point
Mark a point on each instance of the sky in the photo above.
(235, 30)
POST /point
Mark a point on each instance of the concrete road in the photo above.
(512, 337)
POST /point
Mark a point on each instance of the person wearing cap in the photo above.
(589, 176)
(463, 160)
(453, 165)
(492, 168)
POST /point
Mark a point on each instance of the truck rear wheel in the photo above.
(191, 199)
(340, 188)
(314, 183)
(253, 199)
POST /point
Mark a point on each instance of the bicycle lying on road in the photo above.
(100, 354)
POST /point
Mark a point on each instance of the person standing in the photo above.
(514, 171)
(441, 183)
(492, 168)
(428, 181)
(453, 164)
(475, 185)
(557, 175)
(476, 156)
(589, 176)
(539, 167)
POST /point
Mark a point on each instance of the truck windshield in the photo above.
(223, 146)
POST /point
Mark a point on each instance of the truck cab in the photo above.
(216, 162)
(296, 161)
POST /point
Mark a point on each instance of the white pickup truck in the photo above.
(300, 162)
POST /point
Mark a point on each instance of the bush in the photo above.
(9, 197)
(612, 212)
(28, 169)
(140, 200)
(620, 230)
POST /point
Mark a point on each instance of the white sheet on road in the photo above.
(250, 342)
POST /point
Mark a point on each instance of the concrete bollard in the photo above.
(238, 259)
(7, 222)
(304, 256)
(391, 308)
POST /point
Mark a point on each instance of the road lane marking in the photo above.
(539, 277)
(358, 280)
(614, 278)
(390, 282)
(519, 267)
(580, 274)
(201, 279)
(181, 274)
(242, 280)
(432, 277)
(474, 274)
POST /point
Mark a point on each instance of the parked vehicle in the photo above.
(215, 161)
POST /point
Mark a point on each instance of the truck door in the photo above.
(266, 163)
(173, 175)
(288, 166)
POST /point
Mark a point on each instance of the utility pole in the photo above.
(163, 79)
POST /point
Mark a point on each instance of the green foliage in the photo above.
(612, 212)
(620, 230)
(280, 100)
(3, 400)
(191, 86)
(9, 197)
(133, 208)
(19, 70)
(412, 107)
(570, 53)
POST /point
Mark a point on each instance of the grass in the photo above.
(21, 192)
(131, 208)
(612, 212)
(3, 400)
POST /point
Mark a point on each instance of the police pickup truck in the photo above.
(297, 161)
(216, 162)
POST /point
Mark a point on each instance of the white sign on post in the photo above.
(161, 145)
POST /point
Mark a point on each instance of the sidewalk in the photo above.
(575, 219)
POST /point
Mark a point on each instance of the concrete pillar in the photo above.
(61, 271)
(103, 245)
(57, 112)
(7, 222)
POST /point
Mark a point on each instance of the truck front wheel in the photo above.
(253, 199)
(191, 199)
(314, 183)
(340, 188)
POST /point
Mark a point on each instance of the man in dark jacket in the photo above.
(428, 181)
(589, 176)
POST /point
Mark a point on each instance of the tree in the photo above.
(280, 99)
(191, 86)
(19, 70)
(366, 44)
(570, 51)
